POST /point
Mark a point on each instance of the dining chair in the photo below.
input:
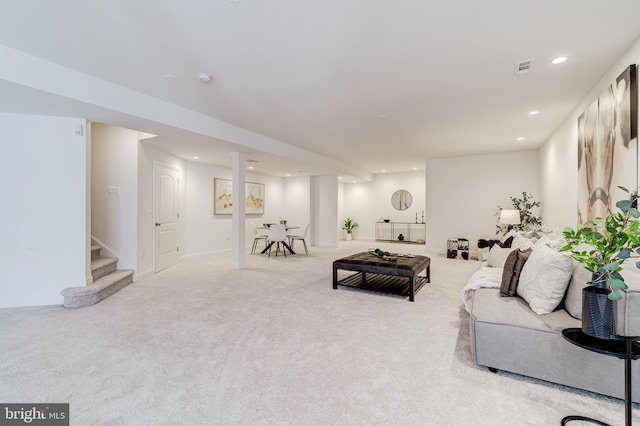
(257, 236)
(277, 235)
(301, 237)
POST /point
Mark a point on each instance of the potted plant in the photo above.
(602, 246)
(349, 225)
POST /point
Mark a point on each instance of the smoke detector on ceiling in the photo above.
(204, 77)
(523, 67)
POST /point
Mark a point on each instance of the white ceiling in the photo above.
(374, 84)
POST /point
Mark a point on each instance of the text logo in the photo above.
(34, 414)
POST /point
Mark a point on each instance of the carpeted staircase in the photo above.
(106, 281)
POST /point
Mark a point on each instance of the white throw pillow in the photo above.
(522, 243)
(554, 241)
(497, 256)
(544, 279)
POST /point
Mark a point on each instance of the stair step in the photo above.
(78, 297)
(95, 252)
(103, 266)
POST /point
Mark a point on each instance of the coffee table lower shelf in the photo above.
(382, 283)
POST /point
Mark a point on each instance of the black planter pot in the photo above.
(598, 312)
(401, 237)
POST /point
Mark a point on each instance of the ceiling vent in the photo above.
(523, 67)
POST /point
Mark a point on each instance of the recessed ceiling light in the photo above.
(171, 78)
(382, 117)
(383, 170)
(339, 177)
(250, 167)
(534, 112)
(195, 157)
(559, 60)
(520, 138)
(415, 168)
(288, 174)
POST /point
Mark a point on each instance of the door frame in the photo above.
(153, 203)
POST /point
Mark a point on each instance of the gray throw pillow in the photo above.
(511, 272)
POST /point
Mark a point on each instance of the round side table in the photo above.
(623, 347)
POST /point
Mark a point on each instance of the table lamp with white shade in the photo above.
(509, 217)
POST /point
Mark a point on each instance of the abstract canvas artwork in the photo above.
(607, 148)
(223, 197)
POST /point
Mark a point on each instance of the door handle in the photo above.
(158, 224)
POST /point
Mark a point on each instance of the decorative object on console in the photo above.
(400, 237)
(602, 246)
(349, 226)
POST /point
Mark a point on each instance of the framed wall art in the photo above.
(607, 148)
(223, 197)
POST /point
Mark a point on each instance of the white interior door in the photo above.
(166, 216)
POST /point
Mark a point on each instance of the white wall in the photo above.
(297, 202)
(559, 155)
(367, 202)
(463, 194)
(208, 233)
(114, 217)
(44, 223)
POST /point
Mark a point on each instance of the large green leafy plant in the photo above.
(603, 245)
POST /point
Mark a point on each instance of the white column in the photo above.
(238, 162)
(324, 208)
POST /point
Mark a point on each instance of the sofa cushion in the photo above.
(544, 279)
(497, 256)
(511, 272)
(488, 306)
(579, 278)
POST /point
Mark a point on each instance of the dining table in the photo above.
(287, 246)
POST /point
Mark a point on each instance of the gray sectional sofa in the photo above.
(507, 335)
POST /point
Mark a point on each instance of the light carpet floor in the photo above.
(204, 344)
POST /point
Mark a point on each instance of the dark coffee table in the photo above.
(400, 276)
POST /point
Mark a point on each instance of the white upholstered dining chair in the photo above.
(257, 236)
(277, 235)
(302, 237)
